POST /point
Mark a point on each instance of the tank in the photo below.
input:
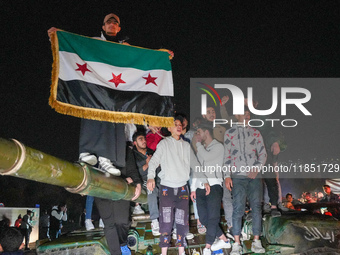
(24, 162)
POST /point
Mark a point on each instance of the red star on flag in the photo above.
(82, 68)
(117, 79)
(150, 79)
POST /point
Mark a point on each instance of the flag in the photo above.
(108, 81)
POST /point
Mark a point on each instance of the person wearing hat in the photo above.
(115, 214)
(110, 157)
(111, 28)
(26, 227)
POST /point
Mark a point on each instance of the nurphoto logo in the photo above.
(239, 101)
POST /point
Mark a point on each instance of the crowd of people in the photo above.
(170, 179)
(174, 165)
(308, 198)
(50, 225)
(177, 171)
(206, 193)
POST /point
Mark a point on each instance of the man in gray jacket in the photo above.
(245, 154)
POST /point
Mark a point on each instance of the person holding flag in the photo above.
(102, 140)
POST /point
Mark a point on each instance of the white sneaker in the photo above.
(206, 251)
(189, 236)
(256, 247)
(89, 224)
(155, 227)
(174, 234)
(236, 249)
(101, 223)
(220, 244)
(88, 158)
(138, 210)
(106, 165)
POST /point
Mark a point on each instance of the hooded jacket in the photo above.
(209, 170)
(243, 149)
(174, 157)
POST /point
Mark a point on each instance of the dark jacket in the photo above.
(130, 169)
(331, 198)
(141, 160)
(26, 222)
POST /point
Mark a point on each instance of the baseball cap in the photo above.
(112, 15)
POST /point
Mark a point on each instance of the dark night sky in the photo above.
(232, 39)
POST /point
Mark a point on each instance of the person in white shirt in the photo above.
(58, 215)
(173, 154)
(206, 187)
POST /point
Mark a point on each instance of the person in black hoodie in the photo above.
(142, 156)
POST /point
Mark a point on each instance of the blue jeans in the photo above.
(153, 203)
(194, 204)
(227, 206)
(88, 207)
(244, 188)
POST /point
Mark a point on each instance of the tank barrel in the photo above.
(24, 162)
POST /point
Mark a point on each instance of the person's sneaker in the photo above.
(89, 225)
(155, 227)
(174, 234)
(189, 236)
(106, 165)
(220, 244)
(256, 247)
(206, 251)
(236, 249)
(88, 158)
(138, 210)
(101, 223)
(125, 250)
(275, 213)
